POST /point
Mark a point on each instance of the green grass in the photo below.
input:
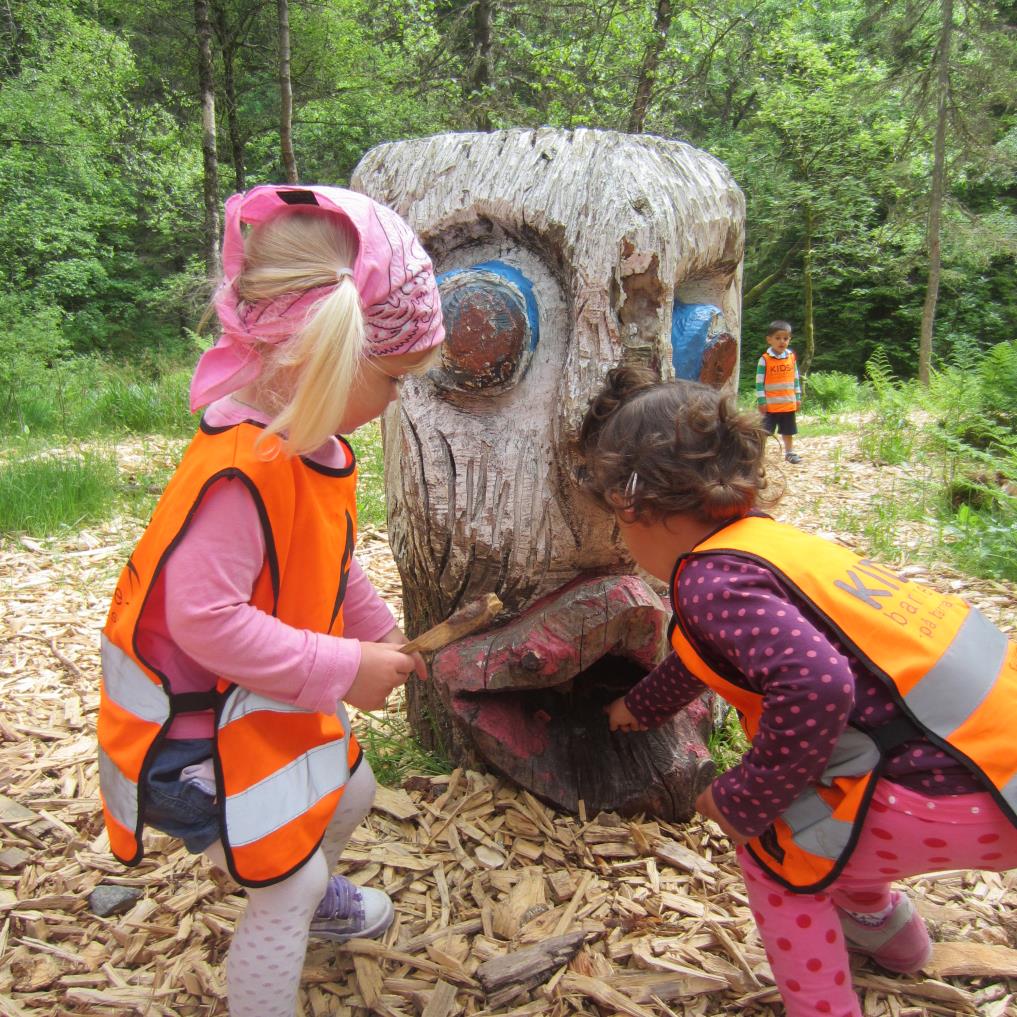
(393, 752)
(43, 494)
(366, 442)
(727, 743)
(88, 396)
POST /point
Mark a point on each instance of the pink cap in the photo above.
(392, 273)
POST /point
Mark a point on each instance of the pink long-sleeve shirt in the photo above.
(202, 624)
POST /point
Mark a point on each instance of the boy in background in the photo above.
(778, 387)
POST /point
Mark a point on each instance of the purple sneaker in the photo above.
(899, 943)
(348, 911)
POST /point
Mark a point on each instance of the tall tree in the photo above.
(286, 94)
(480, 71)
(210, 158)
(648, 67)
(936, 192)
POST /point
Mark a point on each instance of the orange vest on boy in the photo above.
(280, 770)
(952, 672)
(779, 383)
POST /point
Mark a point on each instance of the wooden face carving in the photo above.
(559, 255)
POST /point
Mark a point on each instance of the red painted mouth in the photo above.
(533, 692)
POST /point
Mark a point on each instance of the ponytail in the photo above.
(307, 379)
(324, 358)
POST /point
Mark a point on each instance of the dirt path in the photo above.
(476, 867)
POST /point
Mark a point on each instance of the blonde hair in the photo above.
(307, 378)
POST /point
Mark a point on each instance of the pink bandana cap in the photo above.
(392, 273)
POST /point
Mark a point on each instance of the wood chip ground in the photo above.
(504, 906)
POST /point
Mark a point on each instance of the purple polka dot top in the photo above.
(762, 638)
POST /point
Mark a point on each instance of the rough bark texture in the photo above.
(808, 312)
(286, 94)
(210, 159)
(227, 47)
(561, 254)
(936, 196)
(648, 68)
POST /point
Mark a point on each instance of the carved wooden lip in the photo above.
(559, 638)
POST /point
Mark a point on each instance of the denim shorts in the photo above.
(181, 808)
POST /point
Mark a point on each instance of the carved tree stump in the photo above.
(560, 254)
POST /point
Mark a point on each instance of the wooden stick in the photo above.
(458, 624)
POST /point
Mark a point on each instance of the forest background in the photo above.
(875, 141)
(825, 111)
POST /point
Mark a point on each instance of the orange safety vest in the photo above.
(280, 770)
(952, 672)
(779, 383)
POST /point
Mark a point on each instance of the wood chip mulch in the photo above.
(504, 906)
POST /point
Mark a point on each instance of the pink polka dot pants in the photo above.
(905, 834)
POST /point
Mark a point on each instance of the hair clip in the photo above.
(630, 487)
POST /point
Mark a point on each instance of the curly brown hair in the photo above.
(662, 448)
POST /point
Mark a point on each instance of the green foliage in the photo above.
(41, 493)
(997, 385)
(82, 396)
(727, 742)
(366, 442)
(393, 752)
(886, 437)
(830, 391)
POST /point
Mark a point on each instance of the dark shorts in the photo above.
(181, 808)
(782, 423)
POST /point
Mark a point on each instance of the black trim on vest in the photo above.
(194, 702)
(344, 572)
(328, 471)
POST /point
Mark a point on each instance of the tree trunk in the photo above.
(936, 197)
(808, 325)
(227, 46)
(648, 68)
(210, 160)
(480, 72)
(774, 277)
(286, 94)
(478, 468)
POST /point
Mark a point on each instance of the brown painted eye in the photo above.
(491, 325)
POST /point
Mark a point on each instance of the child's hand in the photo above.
(396, 637)
(620, 718)
(708, 807)
(382, 669)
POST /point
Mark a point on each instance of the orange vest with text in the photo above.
(952, 672)
(779, 383)
(280, 770)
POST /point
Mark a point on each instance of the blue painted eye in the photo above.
(491, 325)
(701, 347)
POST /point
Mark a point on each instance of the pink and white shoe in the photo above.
(900, 943)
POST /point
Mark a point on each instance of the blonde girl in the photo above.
(242, 622)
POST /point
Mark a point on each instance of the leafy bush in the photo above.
(887, 438)
(829, 391)
(997, 384)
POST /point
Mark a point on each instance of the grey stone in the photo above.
(107, 900)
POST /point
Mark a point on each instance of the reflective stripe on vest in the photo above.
(119, 793)
(952, 671)
(129, 687)
(276, 800)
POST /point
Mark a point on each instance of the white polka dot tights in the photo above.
(266, 956)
